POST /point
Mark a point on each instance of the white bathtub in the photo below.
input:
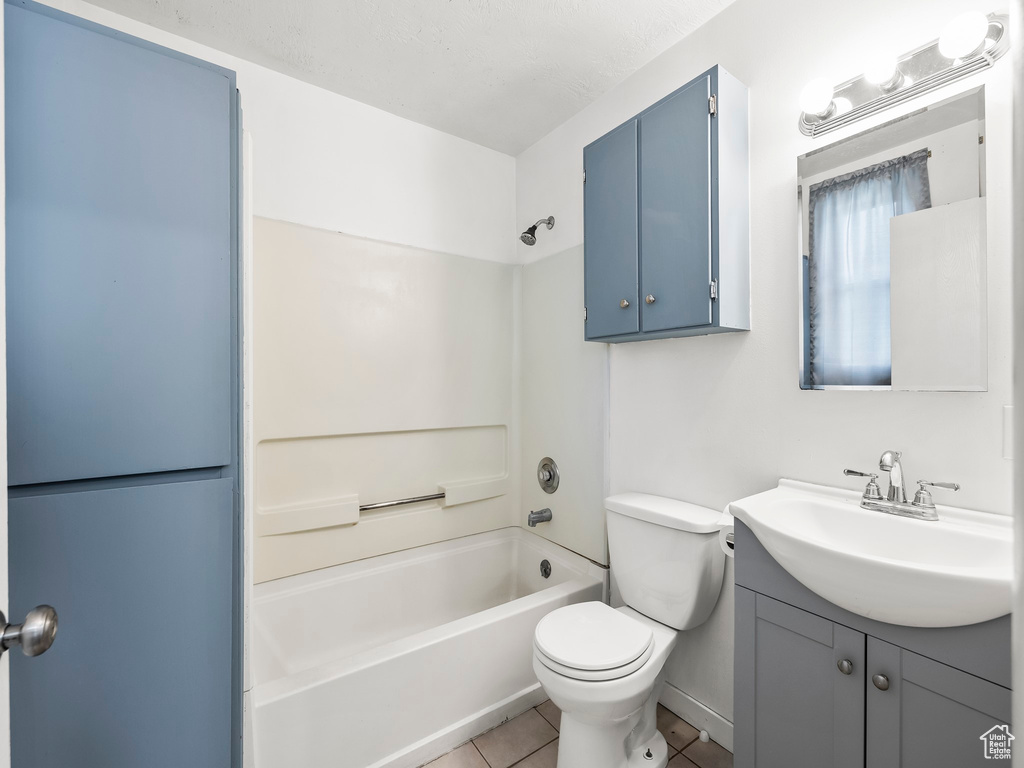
(394, 660)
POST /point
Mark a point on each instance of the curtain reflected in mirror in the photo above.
(848, 268)
(894, 273)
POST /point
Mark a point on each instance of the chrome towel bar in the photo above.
(399, 502)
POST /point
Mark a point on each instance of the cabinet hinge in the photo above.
(584, 175)
(584, 314)
(714, 289)
(713, 105)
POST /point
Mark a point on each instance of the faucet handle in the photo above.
(947, 486)
(923, 497)
(871, 491)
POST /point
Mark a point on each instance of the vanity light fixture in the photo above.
(969, 43)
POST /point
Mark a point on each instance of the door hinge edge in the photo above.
(714, 289)
(713, 104)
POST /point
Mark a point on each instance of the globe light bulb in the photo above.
(882, 70)
(963, 35)
(816, 97)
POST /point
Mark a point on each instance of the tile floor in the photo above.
(531, 741)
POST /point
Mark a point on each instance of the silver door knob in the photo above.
(35, 635)
(881, 682)
(649, 298)
(845, 666)
(624, 304)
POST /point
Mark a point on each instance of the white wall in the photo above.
(326, 161)
(715, 418)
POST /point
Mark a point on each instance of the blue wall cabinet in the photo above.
(666, 218)
(612, 262)
(124, 391)
(819, 687)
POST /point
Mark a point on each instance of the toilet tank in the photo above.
(665, 557)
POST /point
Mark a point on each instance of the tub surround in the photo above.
(382, 372)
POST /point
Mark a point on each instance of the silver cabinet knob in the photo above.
(881, 682)
(624, 304)
(649, 298)
(35, 635)
(845, 666)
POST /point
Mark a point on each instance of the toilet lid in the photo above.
(592, 637)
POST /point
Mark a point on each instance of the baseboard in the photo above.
(439, 743)
(696, 714)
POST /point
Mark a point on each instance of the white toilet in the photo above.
(603, 666)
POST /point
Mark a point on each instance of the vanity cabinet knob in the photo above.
(624, 304)
(845, 666)
(881, 682)
(649, 298)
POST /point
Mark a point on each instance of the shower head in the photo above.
(530, 235)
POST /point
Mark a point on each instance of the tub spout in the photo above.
(540, 516)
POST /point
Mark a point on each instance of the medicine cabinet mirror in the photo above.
(893, 254)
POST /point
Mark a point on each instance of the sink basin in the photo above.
(951, 572)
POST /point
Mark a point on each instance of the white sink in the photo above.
(954, 571)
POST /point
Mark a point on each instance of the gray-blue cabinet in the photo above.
(666, 217)
(817, 686)
(123, 396)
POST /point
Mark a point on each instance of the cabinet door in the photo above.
(141, 671)
(675, 210)
(610, 234)
(119, 251)
(930, 714)
(795, 708)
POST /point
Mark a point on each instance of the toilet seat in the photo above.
(591, 641)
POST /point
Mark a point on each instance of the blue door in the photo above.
(675, 198)
(610, 233)
(123, 396)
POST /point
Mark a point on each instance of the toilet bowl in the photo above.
(603, 667)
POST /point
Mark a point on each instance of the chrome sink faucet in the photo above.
(890, 462)
(895, 501)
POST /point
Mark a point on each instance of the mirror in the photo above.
(894, 280)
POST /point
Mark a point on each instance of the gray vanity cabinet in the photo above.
(666, 217)
(930, 714)
(807, 711)
(819, 687)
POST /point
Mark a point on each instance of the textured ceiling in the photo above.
(501, 73)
